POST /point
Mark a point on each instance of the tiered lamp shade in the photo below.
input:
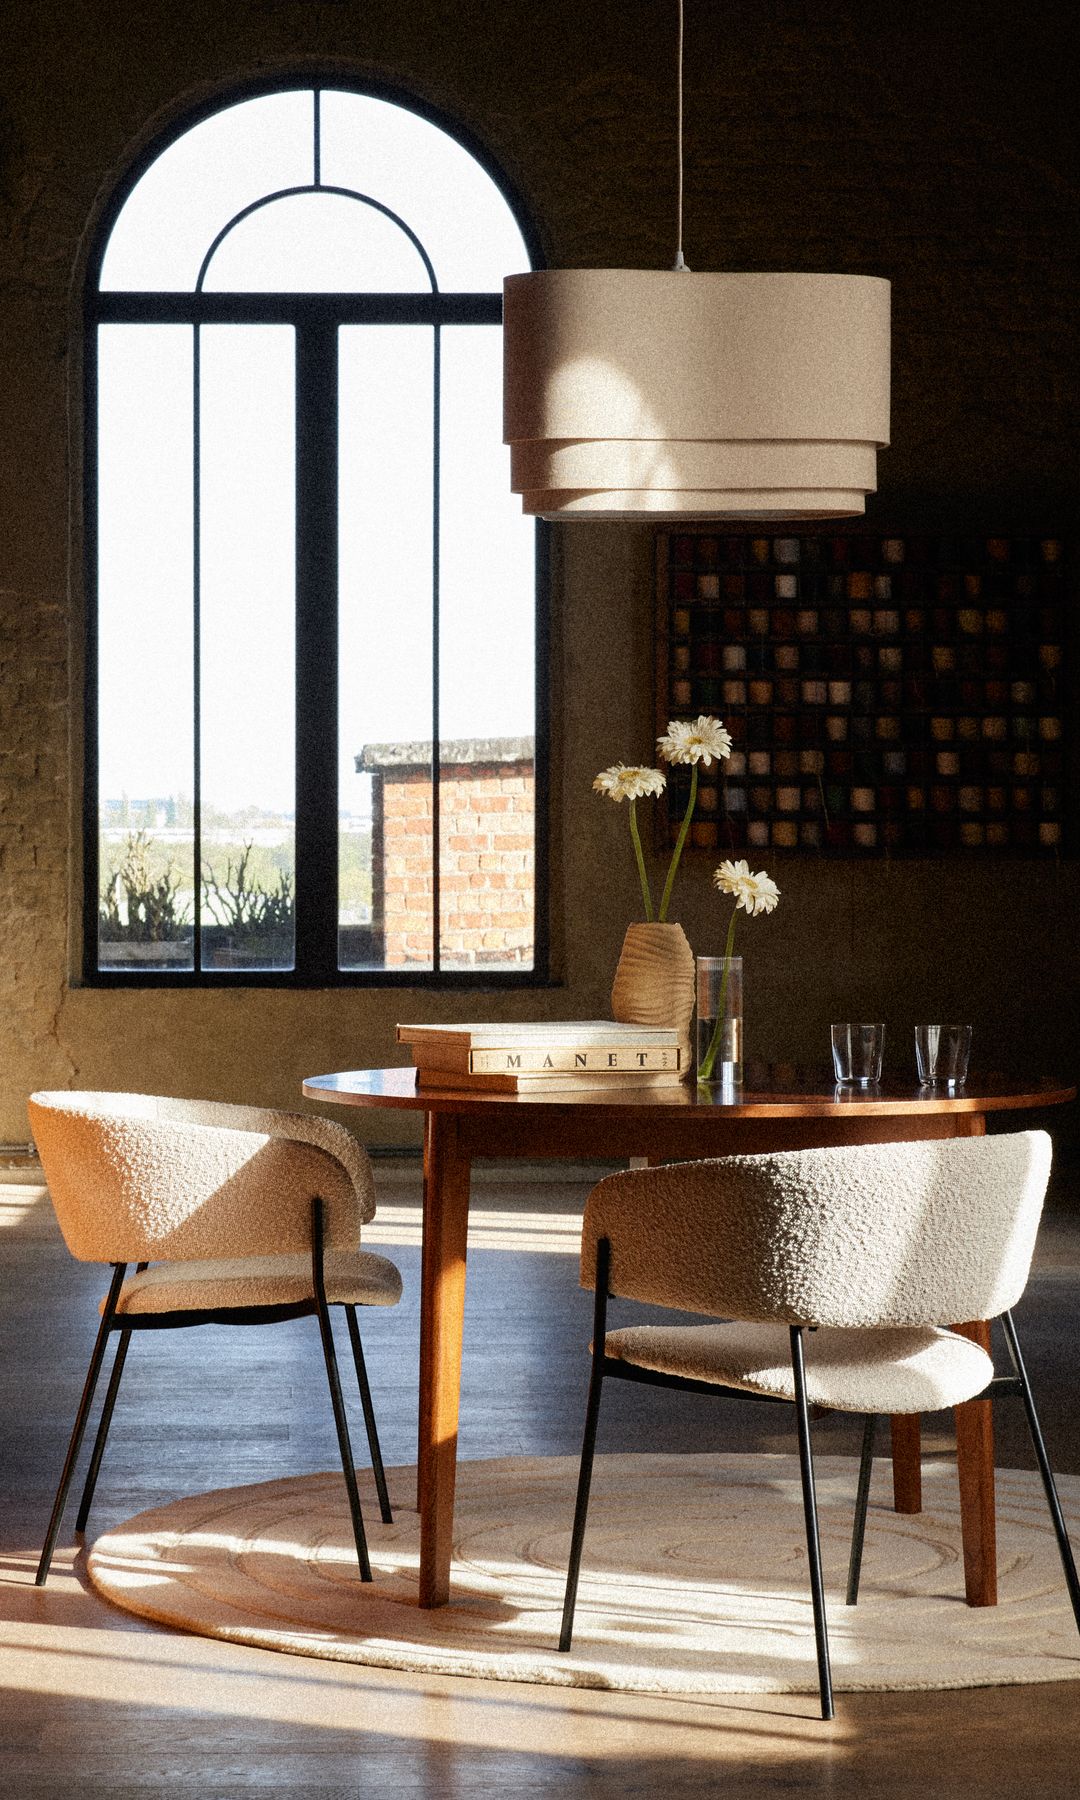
(664, 395)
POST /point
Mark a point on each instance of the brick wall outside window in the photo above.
(487, 852)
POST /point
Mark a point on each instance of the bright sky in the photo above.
(247, 469)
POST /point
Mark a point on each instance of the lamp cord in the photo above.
(679, 263)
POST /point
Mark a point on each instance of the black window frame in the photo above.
(315, 318)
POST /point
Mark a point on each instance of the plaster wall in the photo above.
(934, 145)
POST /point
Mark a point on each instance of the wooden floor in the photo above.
(96, 1704)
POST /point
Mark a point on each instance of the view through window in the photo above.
(312, 748)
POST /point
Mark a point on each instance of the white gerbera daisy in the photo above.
(694, 740)
(754, 893)
(625, 781)
(734, 878)
(766, 893)
(628, 781)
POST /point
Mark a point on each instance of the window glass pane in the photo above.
(431, 181)
(145, 655)
(487, 670)
(247, 652)
(386, 419)
(201, 181)
(317, 243)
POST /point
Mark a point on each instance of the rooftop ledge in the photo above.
(375, 759)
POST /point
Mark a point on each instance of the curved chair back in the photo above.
(927, 1233)
(137, 1178)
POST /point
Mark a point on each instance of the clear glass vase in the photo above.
(720, 1020)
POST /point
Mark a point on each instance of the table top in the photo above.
(769, 1091)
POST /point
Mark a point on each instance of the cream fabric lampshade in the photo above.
(662, 394)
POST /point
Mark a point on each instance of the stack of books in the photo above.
(542, 1058)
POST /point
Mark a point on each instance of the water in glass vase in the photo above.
(720, 1020)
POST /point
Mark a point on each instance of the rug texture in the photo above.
(693, 1580)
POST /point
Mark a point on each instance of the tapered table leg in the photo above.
(906, 1462)
(975, 1467)
(442, 1306)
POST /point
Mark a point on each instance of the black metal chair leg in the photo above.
(588, 1444)
(369, 1416)
(813, 1544)
(79, 1428)
(581, 1507)
(103, 1429)
(333, 1379)
(1068, 1562)
(858, 1530)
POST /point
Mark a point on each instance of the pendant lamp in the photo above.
(660, 394)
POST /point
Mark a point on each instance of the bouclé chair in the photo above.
(838, 1274)
(232, 1215)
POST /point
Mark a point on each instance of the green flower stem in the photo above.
(636, 835)
(678, 850)
(708, 1061)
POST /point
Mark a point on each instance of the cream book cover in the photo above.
(586, 1047)
(580, 1034)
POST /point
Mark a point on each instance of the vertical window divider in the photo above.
(317, 502)
(91, 801)
(196, 640)
(436, 741)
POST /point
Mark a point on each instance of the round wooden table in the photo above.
(777, 1108)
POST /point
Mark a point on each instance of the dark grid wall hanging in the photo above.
(885, 694)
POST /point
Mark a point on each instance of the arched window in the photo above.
(312, 750)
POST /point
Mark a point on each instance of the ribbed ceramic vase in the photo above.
(654, 982)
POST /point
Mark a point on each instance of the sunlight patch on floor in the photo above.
(96, 1655)
(555, 1234)
(18, 1199)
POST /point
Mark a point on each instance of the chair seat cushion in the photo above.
(353, 1277)
(895, 1370)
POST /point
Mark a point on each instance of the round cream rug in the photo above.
(693, 1577)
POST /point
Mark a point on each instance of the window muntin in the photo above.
(312, 138)
(317, 242)
(409, 591)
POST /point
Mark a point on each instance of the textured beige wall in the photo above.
(934, 145)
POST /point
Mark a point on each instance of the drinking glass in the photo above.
(857, 1051)
(941, 1054)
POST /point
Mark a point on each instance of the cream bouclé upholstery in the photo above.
(133, 1177)
(223, 1192)
(895, 1370)
(864, 1235)
(353, 1278)
(882, 1245)
(243, 1215)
